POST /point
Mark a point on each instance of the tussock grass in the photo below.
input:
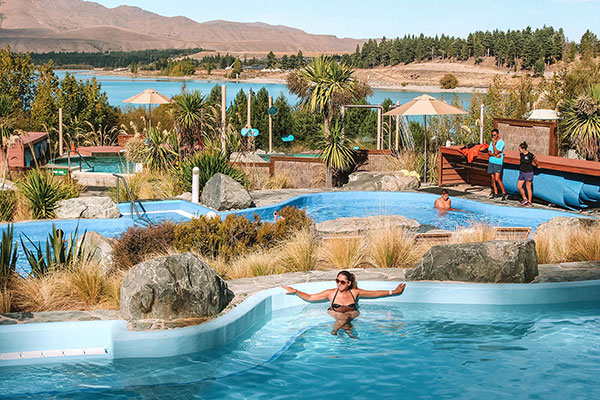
(393, 247)
(299, 252)
(568, 244)
(148, 185)
(84, 287)
(279, 181)
(259, 263)
(342, 253)
(5, 301)
(475, 232)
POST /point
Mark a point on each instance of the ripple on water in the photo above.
(404, 351)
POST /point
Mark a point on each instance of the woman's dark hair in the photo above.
(523, 145)
(350, 278)
(495, 131)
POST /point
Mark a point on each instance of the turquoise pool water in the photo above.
(409, 350)
(112, 164)
(267, 157)
(320, 207)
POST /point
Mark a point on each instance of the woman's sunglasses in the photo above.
(340, 281)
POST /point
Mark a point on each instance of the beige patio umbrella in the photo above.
(150, 97)
(425, 105)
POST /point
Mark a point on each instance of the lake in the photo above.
(118, 88)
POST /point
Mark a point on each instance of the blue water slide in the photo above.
(564, 189)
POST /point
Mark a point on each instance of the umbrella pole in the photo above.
(425, 150)
(150, 117)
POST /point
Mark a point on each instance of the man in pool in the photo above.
(344, 300)
(443, 204)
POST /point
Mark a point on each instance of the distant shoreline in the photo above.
(278, 80)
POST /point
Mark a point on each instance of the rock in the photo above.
(246, 157)
(187, 196)
(352, 226)
(560, 224)
(99, 248)
(387, 181)
(87, 207)
(259, 151)
(500, 261)
(173, 287)
(223, 193)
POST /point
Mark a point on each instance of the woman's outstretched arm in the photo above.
(382, 293)
(309, 297)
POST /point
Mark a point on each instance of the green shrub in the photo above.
(43, 191)
(8, 203)
(8, 255)
(448, 81)
(236, 235)
(209, 164)
(59, 254)
(136, 244)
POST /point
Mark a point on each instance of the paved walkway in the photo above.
(565, 272)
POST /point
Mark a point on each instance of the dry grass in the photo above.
(22, 208)
(342, 253)
(279, 181)
(298, 253)
(393, 247)
(5, 301)
(475, 232)
(149, 186)
(256, 177)
(259, 263)
(568, 244)
(406, 160)
(85, 287)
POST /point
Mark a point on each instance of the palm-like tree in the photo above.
(581, 123)
(336, 152)
(326, 85)
(189, 115)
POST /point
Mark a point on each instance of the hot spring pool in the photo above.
(407, 350)
(114, 164)
(319, 206)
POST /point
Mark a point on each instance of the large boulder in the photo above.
(560, 224)
(352, 226)
(499, 261)
(87, 207)
(222, 192)
(173, 287)
(98, 248)
(386, 181)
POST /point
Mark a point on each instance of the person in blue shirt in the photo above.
(496, 152)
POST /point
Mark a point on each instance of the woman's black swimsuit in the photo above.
(337, 307)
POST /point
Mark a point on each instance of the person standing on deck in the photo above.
(496, 152)
(528, 161)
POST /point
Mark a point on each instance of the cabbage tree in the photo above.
(581, 123)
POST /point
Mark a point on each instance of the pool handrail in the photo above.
(81, 158)
(132, 205)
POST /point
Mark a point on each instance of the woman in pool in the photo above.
(344, 299)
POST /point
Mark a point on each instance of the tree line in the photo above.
(112, 59)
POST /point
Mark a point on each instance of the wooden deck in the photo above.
(454, 168)
(100, 150)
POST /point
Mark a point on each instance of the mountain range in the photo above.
(85, 26)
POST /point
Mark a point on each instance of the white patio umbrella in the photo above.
(150, 97)
(425, 105)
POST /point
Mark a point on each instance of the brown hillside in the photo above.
(77, 25)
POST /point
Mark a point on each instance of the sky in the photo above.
(389, 18)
